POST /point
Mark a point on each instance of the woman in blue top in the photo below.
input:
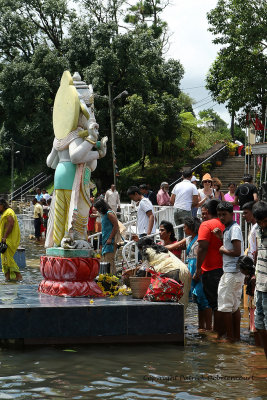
(110, 227)
(191, 226)
(190, 243)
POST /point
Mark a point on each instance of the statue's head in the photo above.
(86, 96)
(73, 99)
(85, 92)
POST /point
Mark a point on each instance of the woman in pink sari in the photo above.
(230, 196)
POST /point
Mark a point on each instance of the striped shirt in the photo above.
(261, 266)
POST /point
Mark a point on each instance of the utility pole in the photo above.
(232, 124)
(12, 167)
(110, 103)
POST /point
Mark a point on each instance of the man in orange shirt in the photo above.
(209, 259)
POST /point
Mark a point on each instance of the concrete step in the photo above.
(232, 170)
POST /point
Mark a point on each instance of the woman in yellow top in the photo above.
(9, 234)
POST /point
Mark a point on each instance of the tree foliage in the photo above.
(238, 75)
(211, 118)
(48, 37)
(110, 44)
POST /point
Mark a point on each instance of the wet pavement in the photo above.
(202, 369)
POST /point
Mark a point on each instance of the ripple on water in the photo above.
(196, 371)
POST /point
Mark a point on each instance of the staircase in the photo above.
(36, 181)
(232, 170)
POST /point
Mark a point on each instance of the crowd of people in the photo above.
(214, 246)
(41, 204)
(208, 230)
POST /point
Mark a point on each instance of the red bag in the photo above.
(162, 288)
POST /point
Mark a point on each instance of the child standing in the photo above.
(232, 280)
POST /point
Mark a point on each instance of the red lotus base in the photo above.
(69, 276)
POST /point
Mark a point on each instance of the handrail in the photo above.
(128, 246)
(133, 243)
(202, 162)
(131, 226)
(29, 182)
(38, 179)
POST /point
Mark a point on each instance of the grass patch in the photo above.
(50, 187)
(156, 170)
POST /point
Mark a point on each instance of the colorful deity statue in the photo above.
(74, 156)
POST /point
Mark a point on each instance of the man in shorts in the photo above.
(231, 283)
(209, 259)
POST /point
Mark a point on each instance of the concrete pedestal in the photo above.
(30, 317)
(69, 273)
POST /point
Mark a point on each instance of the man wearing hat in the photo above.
(163, 197)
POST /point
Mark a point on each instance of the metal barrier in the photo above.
(130, 251)
(198, 165)
(26, 224)
(21, 191)
(161, 213)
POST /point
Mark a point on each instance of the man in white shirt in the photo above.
(184, 196)
(145, 212)
(240, 147)
(112, 197)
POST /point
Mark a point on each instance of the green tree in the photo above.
(147, 13)
(186, 102)
(25, 24)
(31, 36)
(212, 119)
(237, 76)
(47, 37)
(27, 93)
(201, 135)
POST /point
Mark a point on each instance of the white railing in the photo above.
(26, 224)
(128, 212)
(198, 165)
(161, 213)
(32, 183)
(166, 213)
(130, 249)
(244, 227)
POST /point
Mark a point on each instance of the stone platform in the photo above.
(30, 317)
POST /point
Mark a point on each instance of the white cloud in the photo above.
(191, 43)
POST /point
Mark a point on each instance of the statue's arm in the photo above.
(53, 159)
(81, 151)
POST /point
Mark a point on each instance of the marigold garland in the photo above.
(109, 284)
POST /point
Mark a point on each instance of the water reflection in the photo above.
(8, 293)
(131, 372)
(202, 369)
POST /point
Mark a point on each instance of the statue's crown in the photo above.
(85, 92)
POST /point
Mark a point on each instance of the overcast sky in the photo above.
(191, 43)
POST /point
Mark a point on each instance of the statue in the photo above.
(68, 267)
(73, 158)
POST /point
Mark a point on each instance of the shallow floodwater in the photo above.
(202, 369)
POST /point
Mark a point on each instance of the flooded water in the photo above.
(202, 369)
